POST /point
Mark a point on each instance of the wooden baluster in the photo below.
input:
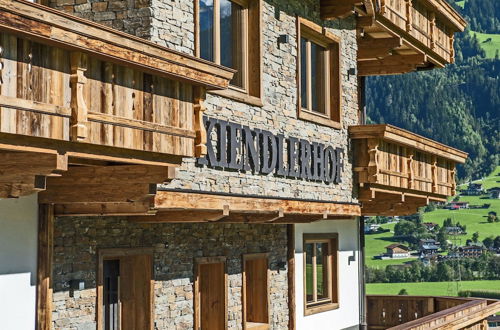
(78, 107)
(373, 165)
(200, 148)
(432, 29)
(411, 174)
(434, 173)
(453, 173)
(409, 19)
(109, 100)
(452, 50)
(382, 7)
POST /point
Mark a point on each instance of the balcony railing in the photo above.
(76, 93)
(400, 36)
(400, 169)
(425, 312)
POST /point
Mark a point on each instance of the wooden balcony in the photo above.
(82, 101)
(398, 36)
(424, 312)
(399, 171)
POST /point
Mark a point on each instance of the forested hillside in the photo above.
(458, 105)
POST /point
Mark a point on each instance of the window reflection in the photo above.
(207, 29)
(231, 39)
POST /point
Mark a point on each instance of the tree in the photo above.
(403, 292)
(496, 242)
(404, 228)
(442, 238)
(475, 237)
(489, 242)
(448, 223)
(443, 272)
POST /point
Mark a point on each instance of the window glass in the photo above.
(322, 270)
(309, 271)
(207, 29)
(303, 72)
(318, 74)
(231, 39)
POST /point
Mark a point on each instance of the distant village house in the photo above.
(397, 251)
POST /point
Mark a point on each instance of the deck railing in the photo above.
(389, 160)
(426, 312)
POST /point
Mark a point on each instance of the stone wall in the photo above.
(77, 240)
(171, 23)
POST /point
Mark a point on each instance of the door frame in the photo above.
(116, 253)
(197, 308)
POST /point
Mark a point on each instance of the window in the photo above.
(320, 272)
(124, 292)
(228, 33)
(319, 75)
(255, 291)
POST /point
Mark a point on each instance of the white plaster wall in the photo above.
(18, 254)
(347, 315)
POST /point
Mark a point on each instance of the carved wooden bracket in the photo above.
(200, 148)
(78, 107)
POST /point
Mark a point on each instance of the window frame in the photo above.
(332, 93)
(117, 253)
(333, 278)
(251, 91)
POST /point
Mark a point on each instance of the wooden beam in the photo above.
(112, 175)
(191, 200)
(96, 193)
(385, 70)
(44, 267)
(138, 208)
(183, 216)
(330, 9)
(394, 60)
(389, 43)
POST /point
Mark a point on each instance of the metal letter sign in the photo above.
(236, 147)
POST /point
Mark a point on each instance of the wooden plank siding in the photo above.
(412, 168)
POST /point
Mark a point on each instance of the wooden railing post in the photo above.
(373, 166)
(411, 174)
(434, 175)
(200, 148)
(432, 29)
(78, 107)
(409, 20)
(453, 173)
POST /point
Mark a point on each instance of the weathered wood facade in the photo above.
(398, 36)
(399, 171)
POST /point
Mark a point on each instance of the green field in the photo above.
(489, 42)
(431, 288)
(474, 219)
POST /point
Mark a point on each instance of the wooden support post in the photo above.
(44, 267)
(452, 50)
(78, 107)
(199, 126)
(290, 229)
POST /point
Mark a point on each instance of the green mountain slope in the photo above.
(458, 105)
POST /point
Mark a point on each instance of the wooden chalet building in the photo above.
(204, 164)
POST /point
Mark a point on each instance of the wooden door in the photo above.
(212, 296)
(135, 292)
(256, 293)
